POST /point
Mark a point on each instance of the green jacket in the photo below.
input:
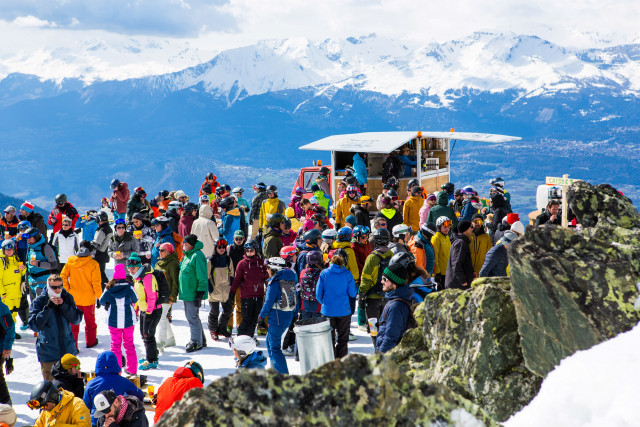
(443, 209)
(322, 199)
(193, 274)
(170, 266)
(369, 276)
(272, 243)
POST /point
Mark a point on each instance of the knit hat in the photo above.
(517, 227)
(463, 226)
(180, 193)
(364, 199)
(432, 196)
(168, 247)
(69, 361)
(307, 225)
(138, 215)
(191, 239)
(8, 415)
(238, 233)
(119, 272)
(512, 217)
(134, 260)
(508, 237)
(477, 216)
(351, 219)
(396, 273)
(26, 206)
(315, 187)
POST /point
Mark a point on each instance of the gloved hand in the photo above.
(98, 305)
(260, 320)
(24, 288)
(232, 296)
(53, 220)
(198, 301)
(55, 212)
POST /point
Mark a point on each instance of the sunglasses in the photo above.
(162, 250)
(55, 287)
(384, 279)
(66, 224)
(133, 263)
(249, 250)
(238, 238)
(120, 228)
(383, 224)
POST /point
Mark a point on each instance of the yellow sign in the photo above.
(560, 181)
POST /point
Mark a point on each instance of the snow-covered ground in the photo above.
(595, 387)
(217, 359)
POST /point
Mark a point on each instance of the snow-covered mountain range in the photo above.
(251, 107)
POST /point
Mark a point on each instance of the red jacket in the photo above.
(251, 276)
(121, 197)
(173, 389)
(66, 210)
(213, 186)
(362, 252)
(185, 224)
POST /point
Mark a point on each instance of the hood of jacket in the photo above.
(198, 247)
(183, 372)
(187, 219)
(443, 198)
(336, 269)
(205, 211)
(78, 261)
(172, 258)
(59, 372)
(39, 243)
(319, 195)
(404, 292)
(120, 289)
(107, 363)
(255, 360)
(286, 274)
(167, 231)
(388, 212)
(233, 212)
(273, 232)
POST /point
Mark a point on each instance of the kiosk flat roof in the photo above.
(386, 142)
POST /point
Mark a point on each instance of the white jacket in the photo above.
(67, 246)
(206, 230)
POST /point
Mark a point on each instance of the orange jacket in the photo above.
(173, 389)
(81, 278)
(411, 212)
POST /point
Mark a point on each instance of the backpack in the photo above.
(163, 286)
(384, 263)
(393, 166)
(308, 281)
(55, 252)
(178, 244)
(288, 299)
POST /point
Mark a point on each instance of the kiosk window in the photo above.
(309, 178)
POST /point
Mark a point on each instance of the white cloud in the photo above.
(32, 21)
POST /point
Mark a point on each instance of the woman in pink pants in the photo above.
(119, 299)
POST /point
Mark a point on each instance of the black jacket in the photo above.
(545, 218)
(63, 379)
(460, 265)
(256, 204)
(133, 417)
(362, 215)
(495, 262)
(36, 221)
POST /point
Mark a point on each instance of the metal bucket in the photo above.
(313, 338)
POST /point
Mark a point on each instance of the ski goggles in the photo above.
(120, 221)
(478, 221)
(34, 404)
(221, 243)
(447, 223)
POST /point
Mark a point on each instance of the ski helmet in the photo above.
(329, 234)
(314, 258)
(323, 170)
(196, 370)
(469, 190)
(174, 205)
(32, 233)
(344, 234)
(220, 242)
(400, 229)
(210, 176)
(381, 236)
(243, 344)
(428, 230)
(416, 191)
(497, 182)
(360, 230)
(413, 183)
(250, 244)
(272, 189)
(277, 263)
(227, 203)
(190, 207)
(405, 259)
(102, 216)
(8, 244)
(237, 190)
(287, 252)
(42, 393)
(311, 237)
(260, 186)
(115, 184)
(204, 199)
(342, 254)
(24, 226)
(61, 199)
(275, 219)
(443, 220)
(300, 191)
(392, 194)
(448, 187)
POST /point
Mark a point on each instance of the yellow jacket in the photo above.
(479, 247)
(343, 210)
(270, 206)
(10, 278)
(411, 212)
(441, 248)
(352, 264)
(81, 278)
(70, 412)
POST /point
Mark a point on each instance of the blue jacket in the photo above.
(495, 262)
(230, 224)
(118, 301)
(22, 247)
(274, 294)
(8, 327)
(256, 360)
(335, 286)
(108, 378)
(409, 162)
(52, 323)
(301, 262)
(45, 255)
(394, 319)
(164, 236)
(467, 212)
(361, 169)
(89, 228)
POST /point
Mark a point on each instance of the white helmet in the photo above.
(441, 220)
(175, 205)
(400, 229)
(277, 263)
(243, 343)
(329, 234)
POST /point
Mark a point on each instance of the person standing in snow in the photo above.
(35, 219)
(119, 198)
(141, 230)
(460, 272)
(63, 208)
(122, 243)
(7, 336)
(100, 245)
(397, 312)
(186, 220)
(211, 182)
(169, 264)
(270, 206)
(220, 279)
(194, 284)
(254, 216)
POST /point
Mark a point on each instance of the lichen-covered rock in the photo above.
(571, 289)
(355, 391)
(468, 340)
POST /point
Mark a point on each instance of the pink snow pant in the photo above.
(124, 337)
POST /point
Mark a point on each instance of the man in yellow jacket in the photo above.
(269, 206)
(480, 244)
(343, 207)
(411, 209)
(11, 277)
(81, 278)
(441, 248)
(58, 407)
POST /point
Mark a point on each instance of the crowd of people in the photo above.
(262, 265)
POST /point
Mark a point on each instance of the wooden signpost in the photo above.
(565, 182)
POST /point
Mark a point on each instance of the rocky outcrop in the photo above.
(469, 341)
(356, 391)
(573, 289)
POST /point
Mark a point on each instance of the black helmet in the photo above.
(413, 183)
(219, 190)
(250, 244)
(102, 216)
(61, 199)
(428, 230)
(196, 368)
(165, 193)
(190, 207)
(392, 193)
(343, 254)
(42, 393)
(227, 188)
(405, 259)
(272, 189)
(381, 236)
(323, 170)
(210, 176)
(227, 203)
(274, 219)
(448, 187)
(115, 184)
(33, 232)
(416, 191)
(311, 237)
